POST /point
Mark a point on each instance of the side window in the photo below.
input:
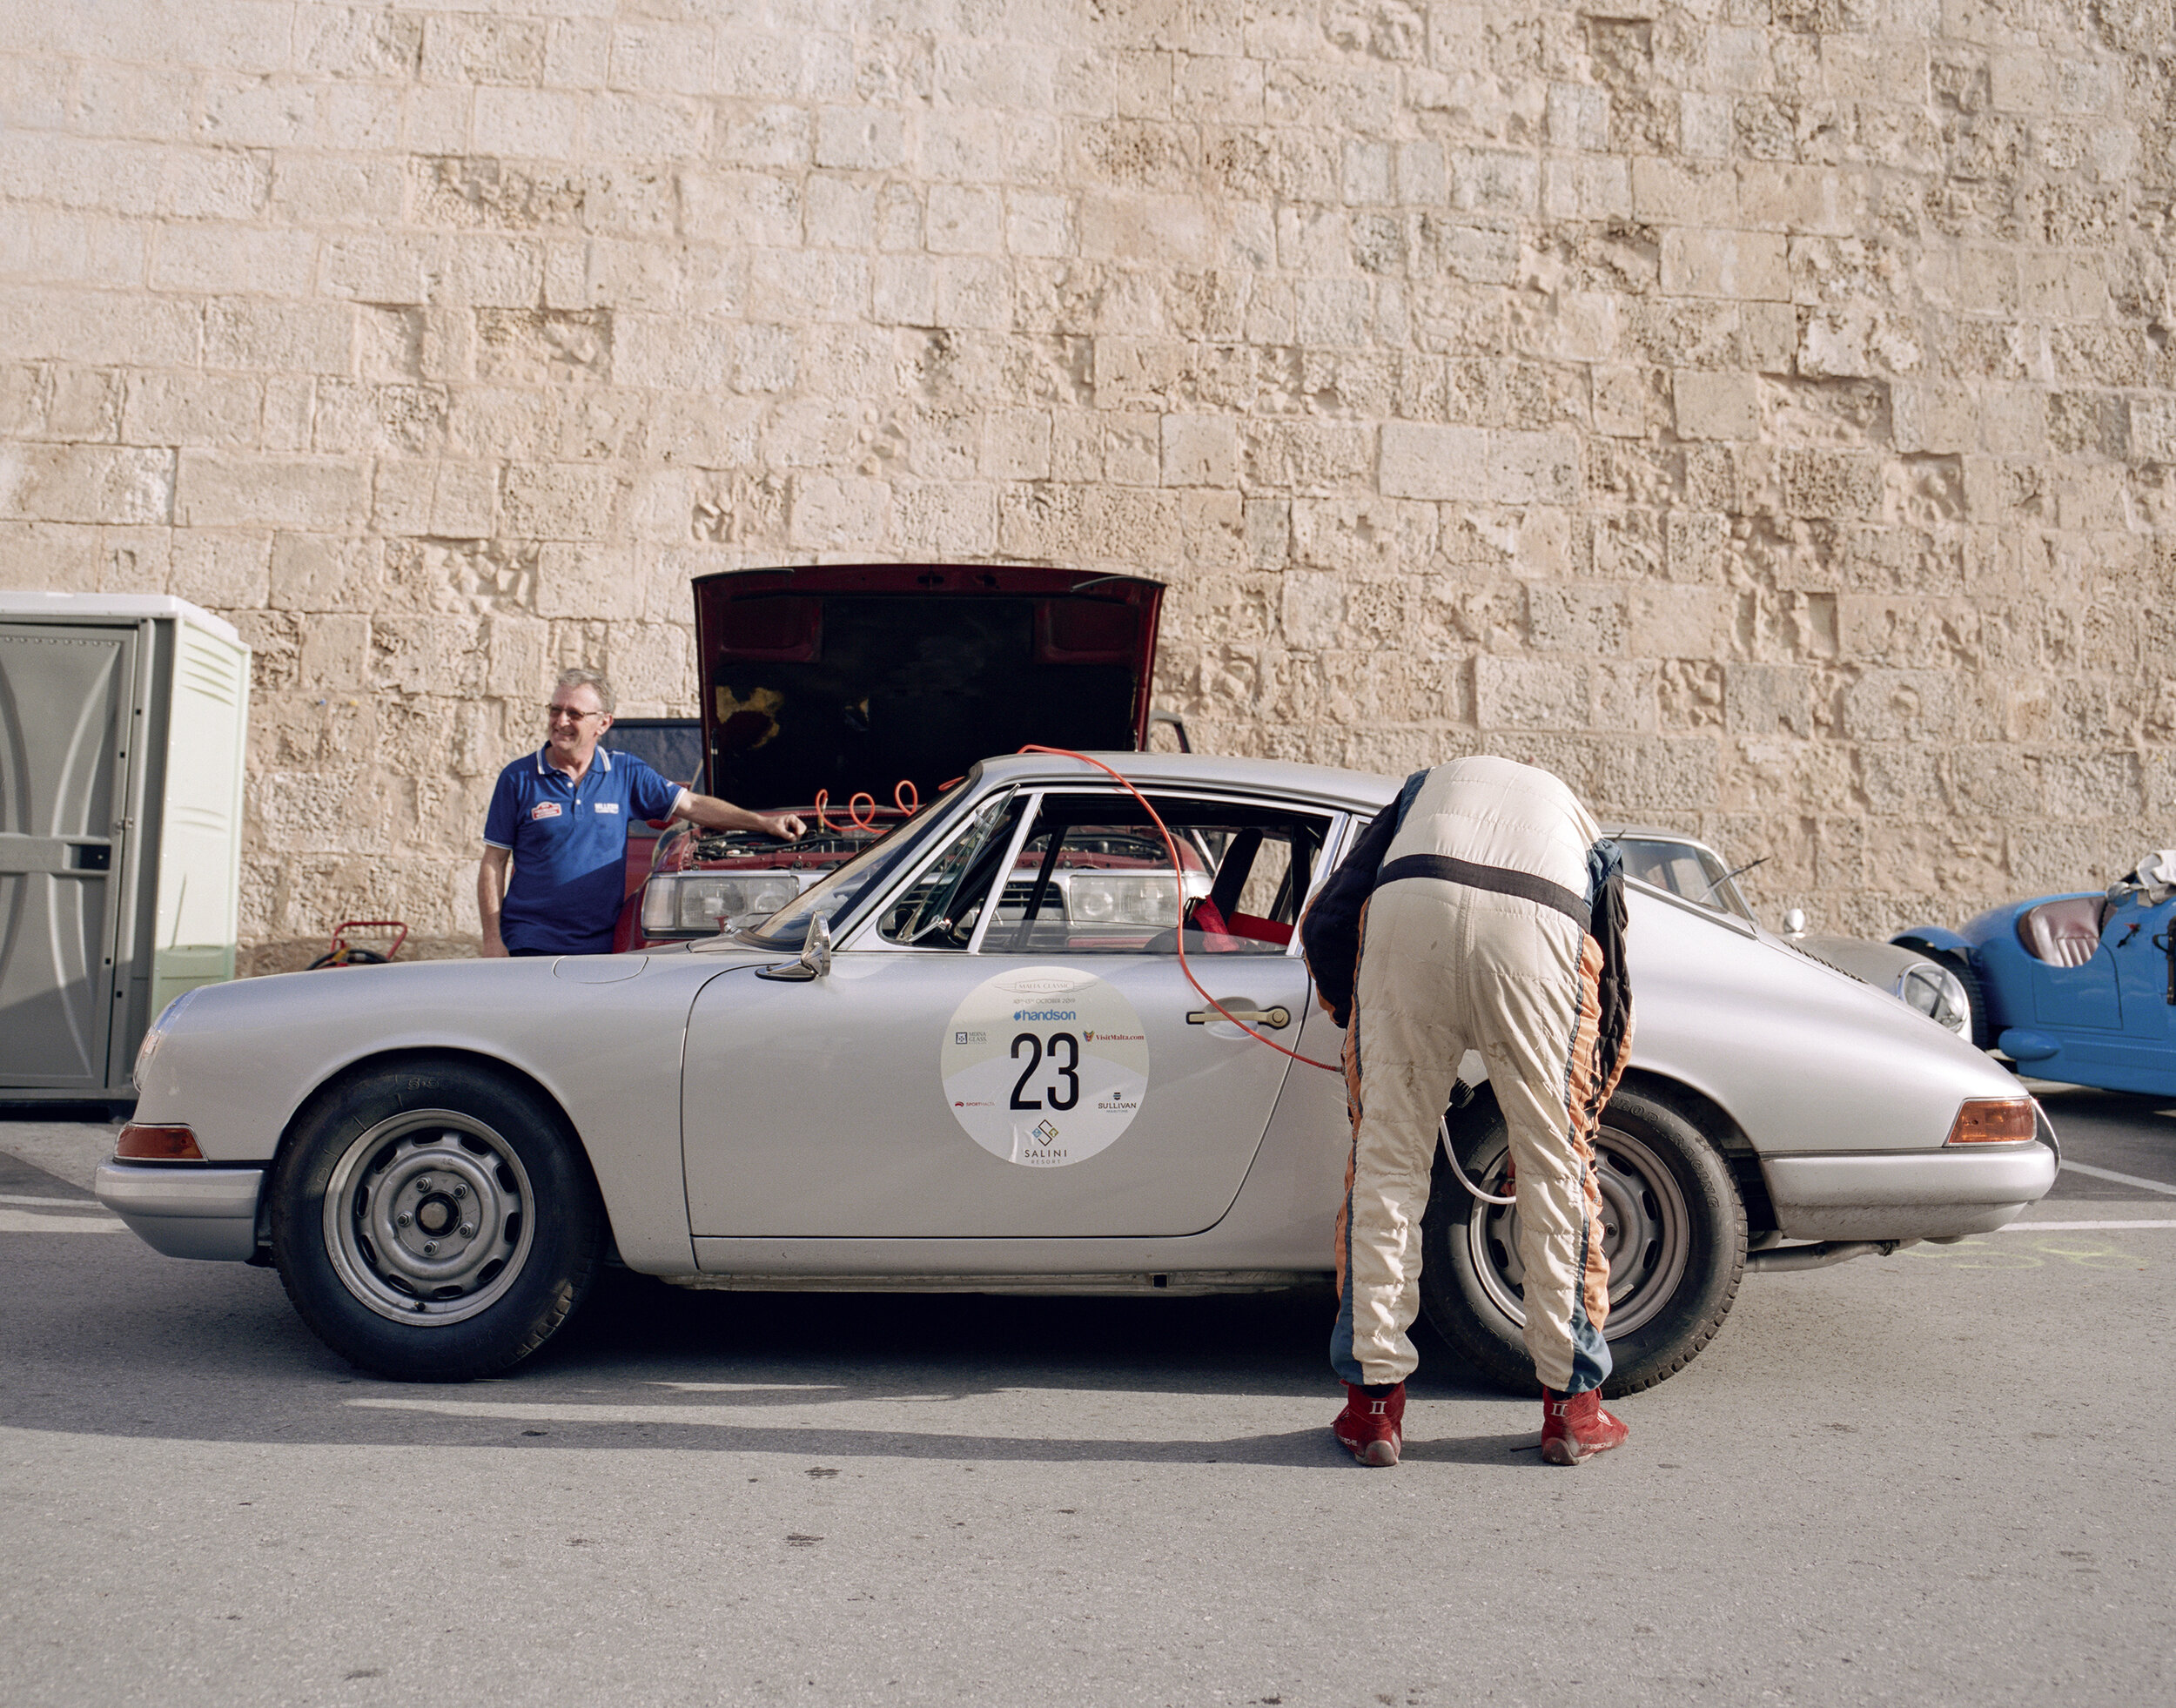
(939, 908)
(1095, 876)
(1683, 869)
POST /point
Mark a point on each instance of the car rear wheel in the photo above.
(1675, 1234)
(436, 1223)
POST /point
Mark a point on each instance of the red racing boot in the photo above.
(1372, 1425)
(1574, 1428)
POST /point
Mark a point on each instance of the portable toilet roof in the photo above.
(63, 607)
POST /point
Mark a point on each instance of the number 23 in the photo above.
(1069, 1072)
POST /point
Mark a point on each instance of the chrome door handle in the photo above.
(1276, 1019)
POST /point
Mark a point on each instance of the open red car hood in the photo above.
(856, 678)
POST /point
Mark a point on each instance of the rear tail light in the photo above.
(156, 1144)
(1993, 1120)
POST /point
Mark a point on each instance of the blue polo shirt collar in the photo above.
(544, 764)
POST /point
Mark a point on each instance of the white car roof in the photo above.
(1365, 791)
(1359, 790)
(1655, 833)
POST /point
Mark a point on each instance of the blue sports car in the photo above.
(2079, 988)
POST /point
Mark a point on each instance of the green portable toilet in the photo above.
(123, 719)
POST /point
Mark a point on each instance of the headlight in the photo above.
(676, 904)
(1093, 899)
(1938, 993)
(148, 1047)
(1108, 899)
(1156, 901)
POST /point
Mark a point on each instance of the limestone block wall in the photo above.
(1759, 411)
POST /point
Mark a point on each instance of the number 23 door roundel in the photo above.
(1046, 1066)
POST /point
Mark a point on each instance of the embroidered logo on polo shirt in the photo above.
(604, 806)
(545, 809)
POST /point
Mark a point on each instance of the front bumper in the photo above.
(189, 1211)
(1914, 1195)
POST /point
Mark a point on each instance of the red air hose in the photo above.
(1178, 877)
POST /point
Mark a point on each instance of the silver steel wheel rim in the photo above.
(429, 1217)
(1648, 1232)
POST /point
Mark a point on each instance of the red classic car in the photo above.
(850, 694)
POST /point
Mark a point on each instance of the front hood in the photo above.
(846, 679)
(1807, 1059)
(1877, 964)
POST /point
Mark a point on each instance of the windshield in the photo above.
(845, 885)
(1685, 869)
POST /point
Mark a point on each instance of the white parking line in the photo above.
(50, 1203)
(26, 1221)
(2120, 1179)
(2074, 1227)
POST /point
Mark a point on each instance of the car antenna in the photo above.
(1734, 871)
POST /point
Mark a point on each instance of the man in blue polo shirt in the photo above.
(561, 815)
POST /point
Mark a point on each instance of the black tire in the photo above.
(475, 1162)
(1975, 996)
(1665, 1187)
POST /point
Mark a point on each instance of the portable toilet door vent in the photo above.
(123, 719)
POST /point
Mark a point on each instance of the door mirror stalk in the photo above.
(816, 957)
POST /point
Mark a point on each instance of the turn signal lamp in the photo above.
(156, 1144)
(1993, 1120)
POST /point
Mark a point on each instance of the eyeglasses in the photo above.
(552, 714)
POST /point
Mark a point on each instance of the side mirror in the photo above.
(816, 952)
(1794, 922)
(816, 957)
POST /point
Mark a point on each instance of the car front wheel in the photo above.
(1674, 1233)
(434, 1223)
(1975, 996)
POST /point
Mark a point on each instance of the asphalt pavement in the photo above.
(1937, 1476)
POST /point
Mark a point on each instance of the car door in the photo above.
(1007, 1046)
(64, 706)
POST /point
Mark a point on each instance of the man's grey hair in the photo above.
(590, 679)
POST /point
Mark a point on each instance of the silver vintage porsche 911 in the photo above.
(971, 1057)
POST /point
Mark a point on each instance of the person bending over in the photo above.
(1480, 911)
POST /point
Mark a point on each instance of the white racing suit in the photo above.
(1478, 931)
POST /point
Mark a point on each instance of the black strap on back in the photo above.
(1500, 880)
